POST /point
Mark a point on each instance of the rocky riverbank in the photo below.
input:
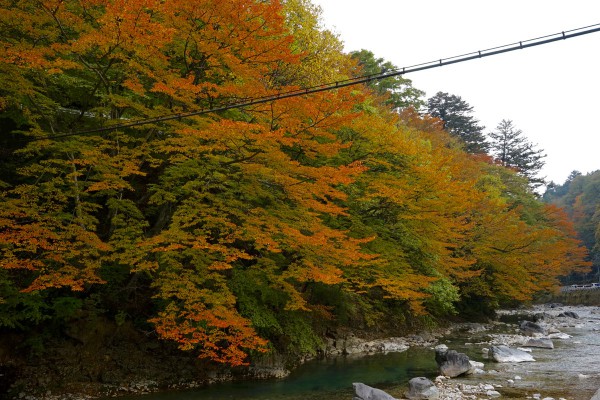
(100, 359)
(561, 339)
(547, 352)
(561, 348)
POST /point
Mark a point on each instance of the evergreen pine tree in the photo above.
(456, 114)
(512, 149)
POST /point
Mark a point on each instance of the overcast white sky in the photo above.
(551, 92)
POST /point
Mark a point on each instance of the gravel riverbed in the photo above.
(570, 370)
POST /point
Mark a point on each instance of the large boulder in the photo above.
(456, 364)
(451, 363)
(504, 354)
(531, 328)
(364, 392)
(421, 388)
(543, 343)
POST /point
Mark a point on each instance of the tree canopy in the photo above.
(244, 230)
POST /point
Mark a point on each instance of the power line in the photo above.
(348, 82)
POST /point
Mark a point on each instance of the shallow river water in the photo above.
(571, 370)
(324, 379)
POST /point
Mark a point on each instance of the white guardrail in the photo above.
(570, 288)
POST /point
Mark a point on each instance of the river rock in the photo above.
(471, 327)
(537, 317)
(476, 368)
(531, 328)
(596, 395)
(452, 363)
(543, 343)
(569, 314)
(421, 388)
(354, 345)
(504, 354)
(364, 392)
(559, 335)
(266, 372)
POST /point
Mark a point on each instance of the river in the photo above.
(571, 370)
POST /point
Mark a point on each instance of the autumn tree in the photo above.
(242, 229)
(320, 51)
(520, 245)
(459, 121)
(207, 199)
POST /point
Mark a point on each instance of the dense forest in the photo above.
(259, 228)
(579, 196)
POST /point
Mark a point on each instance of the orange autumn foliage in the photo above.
(239, 222)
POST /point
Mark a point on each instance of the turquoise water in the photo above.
(322, 379)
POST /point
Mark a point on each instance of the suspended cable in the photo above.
(345, 83)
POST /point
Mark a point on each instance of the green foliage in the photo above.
(320, 50)
(66, 307)
(399, 90)
(577, 298)
(300, 336)
(20, 310)
(444, 295)
(563, 195)
(36, 345)
(296, 332)
(258, 301)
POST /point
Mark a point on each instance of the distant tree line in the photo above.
(579, 196)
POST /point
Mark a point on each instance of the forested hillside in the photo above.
(243, 230)
(579, 196)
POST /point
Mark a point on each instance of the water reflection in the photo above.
(324, 379)
(571, 370)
